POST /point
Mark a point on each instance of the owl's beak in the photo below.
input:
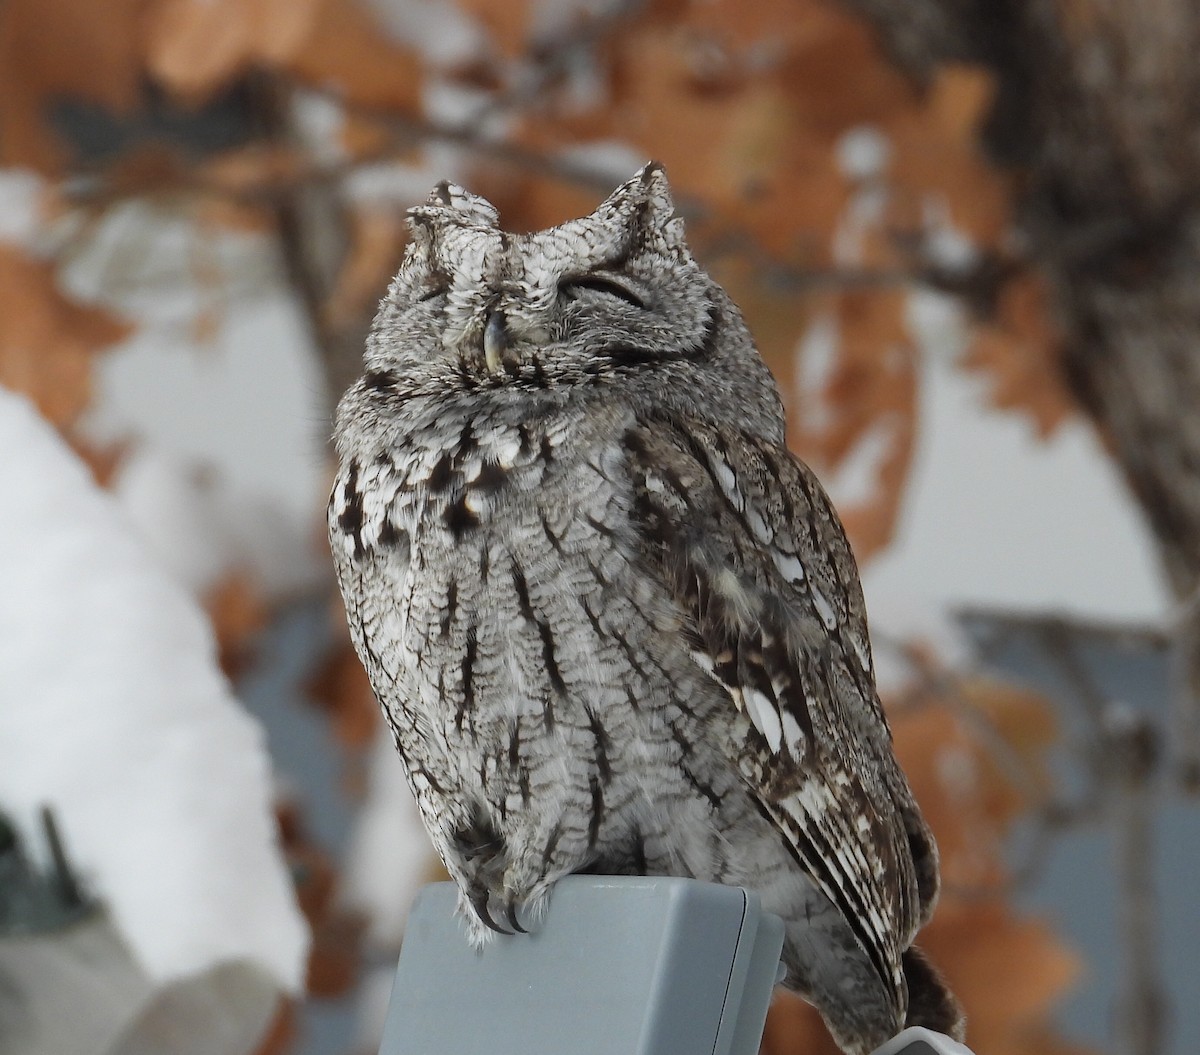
(496, 341)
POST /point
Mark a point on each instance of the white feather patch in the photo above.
(758, 526)
(862, 650)
(789, 567)
(793, 735)
(824, 607)
(507, 447)
(729, 586)
(765, 718)
(728, 481)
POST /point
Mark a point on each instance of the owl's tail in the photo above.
(930, 1002)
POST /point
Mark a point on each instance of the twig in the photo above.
(1133, 751)
(1184, 716)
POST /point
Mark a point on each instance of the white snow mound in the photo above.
(113, 711)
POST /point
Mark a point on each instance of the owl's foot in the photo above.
(526, 908)
(487, 914)
(479, 897)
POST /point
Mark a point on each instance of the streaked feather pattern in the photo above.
(612, 623)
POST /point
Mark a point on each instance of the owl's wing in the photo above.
(749, 544)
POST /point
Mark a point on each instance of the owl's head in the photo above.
(612, 291)
(610, 300)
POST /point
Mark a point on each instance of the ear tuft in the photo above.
(657, 189)
(644, 206)
(448, 203)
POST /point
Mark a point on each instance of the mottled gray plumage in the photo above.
(614, 625)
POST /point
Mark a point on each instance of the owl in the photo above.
(613, 624)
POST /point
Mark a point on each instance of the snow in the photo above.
(228, 436)
(169, 501)
(116, 715)
(251, 406)
(201, 527)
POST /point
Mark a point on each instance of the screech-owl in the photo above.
(614, 625)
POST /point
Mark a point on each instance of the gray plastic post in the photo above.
(621, 965)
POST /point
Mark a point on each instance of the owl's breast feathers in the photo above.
(744, 553)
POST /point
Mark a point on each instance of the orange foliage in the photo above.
(1018, 351)
(195, 47)
(376, 235)
(340, 687)
(48, 340)
(55, 49)
(238, 613)
(102, 54)
(334, 960)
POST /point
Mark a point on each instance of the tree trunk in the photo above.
(1098, 105)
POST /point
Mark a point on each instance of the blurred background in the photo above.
(967, 239)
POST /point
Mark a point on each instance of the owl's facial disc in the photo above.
(611, 292)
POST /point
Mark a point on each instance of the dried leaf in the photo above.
(336, 957)
(950, 775)
(764, 172)
(145, 169)
(348, 52)
(248, 181)
(858, 429)
(367, 136)
(281, 1035)
(937, 157)
(340, 686)
(1023, 718)
(195, 48)
(1008, 971)
(507, 24)
(336, 950)
(238, 613)
(48, 341)
(102, 459)
(1019, 352)
(761, 172)
(842, 75)
(257, 168)
(377, 241)
(51, 50)
(794, 1028)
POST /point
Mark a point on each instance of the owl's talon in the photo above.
(510, 914)
(479, 902)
